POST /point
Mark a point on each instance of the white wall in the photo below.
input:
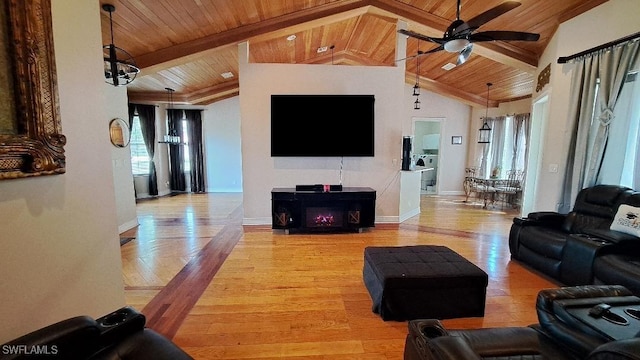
(456, 117)
(261, 172)
(607, 22)
(116, 107)
(60, 256)
(221, 128)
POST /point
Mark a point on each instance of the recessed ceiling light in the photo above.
(291, 37)
(448, 66)
(227, 75)
(322, 49)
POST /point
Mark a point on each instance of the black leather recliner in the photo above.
(540, 240)
(557, 336)
(119, 335)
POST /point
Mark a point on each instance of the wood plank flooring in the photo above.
(224, 291)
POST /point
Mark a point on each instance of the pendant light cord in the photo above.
(486, 112)
(111, 26)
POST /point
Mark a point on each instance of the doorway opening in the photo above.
(426, 152)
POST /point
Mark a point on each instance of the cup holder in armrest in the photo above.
(432, 332)
(615, 318)
(120, 324)
(115, 318)
(633, 312)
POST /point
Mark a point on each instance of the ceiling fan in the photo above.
(459, 36)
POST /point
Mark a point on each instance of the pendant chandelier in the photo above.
(119, 67)
(172, 137)
(485, 130)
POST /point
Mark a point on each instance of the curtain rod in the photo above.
(565, 59)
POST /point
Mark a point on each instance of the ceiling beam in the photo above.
(450, 91)
(211, 93)
(203, 96)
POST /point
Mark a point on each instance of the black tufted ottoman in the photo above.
(423, 282)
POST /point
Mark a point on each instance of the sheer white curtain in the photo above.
(495, 150)
(597, 83)
(508, 145)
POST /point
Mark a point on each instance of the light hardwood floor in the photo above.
(224, 291)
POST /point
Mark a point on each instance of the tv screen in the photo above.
(322, 125)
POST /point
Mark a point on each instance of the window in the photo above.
(139, 155)
(185, 140)
(621, 161)
(504, 153)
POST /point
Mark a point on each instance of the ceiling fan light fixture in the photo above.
(119, 67)
(456, 45)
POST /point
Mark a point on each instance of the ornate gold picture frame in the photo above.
(31, 143)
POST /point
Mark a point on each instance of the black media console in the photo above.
(352, 208)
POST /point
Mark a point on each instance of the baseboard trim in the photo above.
(127, 226)
(409, 214)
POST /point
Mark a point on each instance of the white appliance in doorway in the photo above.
(427, 151)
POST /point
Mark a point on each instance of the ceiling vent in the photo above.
(448, 66)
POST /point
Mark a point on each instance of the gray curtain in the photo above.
(608, 68)
(177, 179)
(520, 137)
(147, 117)
(615, 65)
(196, 157)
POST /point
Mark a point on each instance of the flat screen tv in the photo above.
(322, 125)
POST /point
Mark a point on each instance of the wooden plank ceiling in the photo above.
(186, 45)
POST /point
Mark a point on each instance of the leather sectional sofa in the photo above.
(558, 335)
(579, 248)
(120, 335)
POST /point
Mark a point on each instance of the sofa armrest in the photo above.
(613, 236)
(579, 340)
(628, 349)
(542, 218)
(143, 345)
(119, 325)
(73, 338)
(452, 347)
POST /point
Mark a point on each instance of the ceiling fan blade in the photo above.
(420, 53)
(464, 54)
(436, 49)
(491, 14)
(418, 36)
(504, 35)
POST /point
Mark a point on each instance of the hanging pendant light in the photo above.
(119, 67)
(485, 130)
(172, 137)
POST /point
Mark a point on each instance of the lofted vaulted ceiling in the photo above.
(187, 45)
